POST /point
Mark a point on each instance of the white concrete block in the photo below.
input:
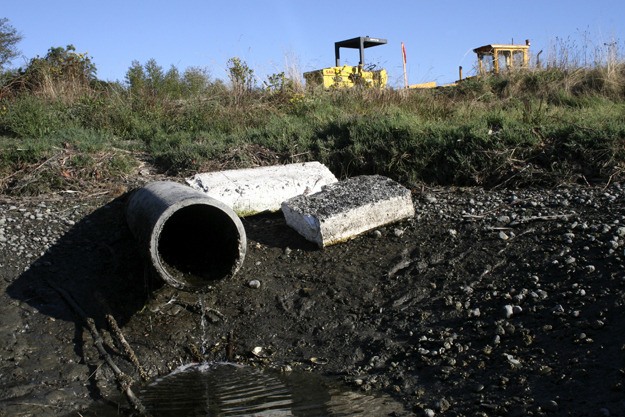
(345, 209)
(255, 190)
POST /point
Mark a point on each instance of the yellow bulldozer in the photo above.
(348, 76)
(492, 59)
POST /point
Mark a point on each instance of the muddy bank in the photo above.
(486, 303)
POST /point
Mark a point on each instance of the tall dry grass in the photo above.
(67, 91)
(588, 65)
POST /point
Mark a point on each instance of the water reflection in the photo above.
(221, 389)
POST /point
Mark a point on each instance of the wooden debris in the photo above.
(125, 382)
(126, 346)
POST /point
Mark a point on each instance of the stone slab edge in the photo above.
(346, 209)
(255, 190)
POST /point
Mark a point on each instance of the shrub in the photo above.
(28, 116)
(63, 74)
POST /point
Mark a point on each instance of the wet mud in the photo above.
(486, 303)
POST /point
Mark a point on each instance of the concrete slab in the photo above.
(255, 190)
(343, 210)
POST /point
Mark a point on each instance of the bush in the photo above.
(28, 116)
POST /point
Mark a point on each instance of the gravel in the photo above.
(504, 302)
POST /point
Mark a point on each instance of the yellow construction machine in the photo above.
(348, 76)
(496, 58)
(493, 59)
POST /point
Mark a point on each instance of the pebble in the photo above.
(503, 219)
(254, 284)
(430, 198)
(442, 405)
(550, 406)
(512, 360)
(478, 387)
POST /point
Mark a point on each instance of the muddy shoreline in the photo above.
(486, 303)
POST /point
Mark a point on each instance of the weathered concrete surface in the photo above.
(190, 238)
(255, 190)
(343, 210)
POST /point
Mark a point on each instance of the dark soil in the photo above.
(486, 303)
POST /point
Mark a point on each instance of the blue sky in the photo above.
(273, 35)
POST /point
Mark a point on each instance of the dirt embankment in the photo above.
(486, 303)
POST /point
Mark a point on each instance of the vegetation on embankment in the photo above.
(62, 128)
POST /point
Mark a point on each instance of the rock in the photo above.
(550, 406)
(430, 198)
(477, 387)
(345, 209)
(255, 190)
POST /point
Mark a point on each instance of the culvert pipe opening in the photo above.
(192, 239)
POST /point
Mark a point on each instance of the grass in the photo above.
(538, 127)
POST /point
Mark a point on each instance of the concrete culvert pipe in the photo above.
(192, 239)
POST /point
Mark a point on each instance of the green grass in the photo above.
(533, 128)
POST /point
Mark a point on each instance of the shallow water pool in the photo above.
(222, 389)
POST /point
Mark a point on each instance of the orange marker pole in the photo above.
(403, 53)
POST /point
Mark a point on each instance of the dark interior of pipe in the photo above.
(199, 243)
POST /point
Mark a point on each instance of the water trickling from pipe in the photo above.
(203, 326)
